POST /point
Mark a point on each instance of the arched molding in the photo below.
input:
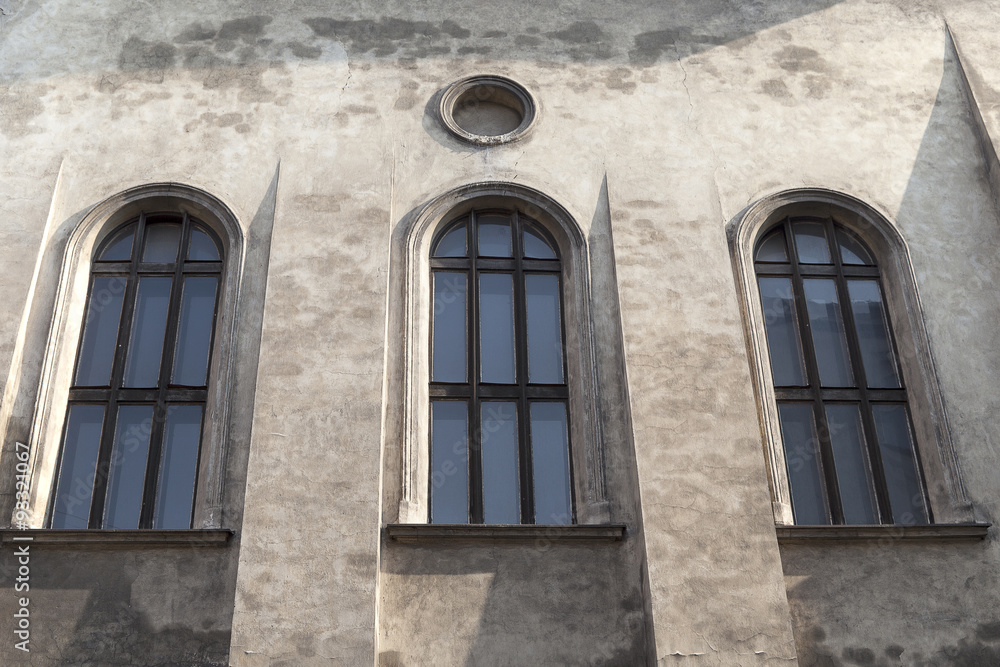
(67, 320)
(408, 368)
(945, 488)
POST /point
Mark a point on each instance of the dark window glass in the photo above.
(798, 430)
(496, 327)
(501, 497)
(772, 247)
(178, 467)
(194, 333)
(810, 242)
(550, 461)
(100, 331)
(852, 250)
(149, 326)
(545, 354)
(161, 242)
(827, 328)
(873, 334)
(452, 244)
(841, 402)
(84, 425)
(450, 327)
(906, 493)
(127, 472)
(781, 323)
(134, 424)
(494, 236)
(499, 442)
(202, 248)
(449, 462)
(536, 247)
(119, 248)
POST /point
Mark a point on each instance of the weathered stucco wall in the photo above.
(658, 124)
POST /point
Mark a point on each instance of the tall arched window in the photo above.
(499, 423)
(132, 433)
(843, 409)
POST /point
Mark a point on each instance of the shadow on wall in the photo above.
(226, 52)
(871, 604)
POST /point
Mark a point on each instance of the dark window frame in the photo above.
(165, 394)
(813, 393)
(475, 392)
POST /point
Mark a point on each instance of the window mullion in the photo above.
(812, 373)
(521, 376)
(861, 382)
(475, 410)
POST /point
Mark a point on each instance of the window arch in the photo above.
(855, 428)
(113, 348)
(499, 426)
(555, 250)
(140, 386)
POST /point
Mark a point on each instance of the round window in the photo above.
(487, 110)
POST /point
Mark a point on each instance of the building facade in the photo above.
(378, 333)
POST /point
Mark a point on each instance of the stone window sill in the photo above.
(118, 538)
(943, 532)
(422, 533)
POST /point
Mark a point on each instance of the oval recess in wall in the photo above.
(487, 109)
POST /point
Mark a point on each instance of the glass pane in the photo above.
(545, 363)
(452, 244)
(772, 248)
(895, 442)
(851, 460)
(496, 327)
(100, 331)
(161, 242)
(501, 498)
(494, 236)
(203, 248)
(852, 251)
(84, 424)
(782, 329)
(827, 326)
(449, 462)
(149, 323)
(798, 432)
(178, 467)
(450, 328)
(127, 474)
(873, 334)
(194, 334)
(810, 242)
(550, 463)
(536, 247)
(120, 248)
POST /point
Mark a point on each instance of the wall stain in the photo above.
(245, 29)
(649, 46)
(586, 40)
(800, 59)
(18, 107)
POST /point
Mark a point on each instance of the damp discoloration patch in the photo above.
(586, 41)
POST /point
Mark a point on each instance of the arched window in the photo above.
(843, 409)
(140, 385)
(499, 422)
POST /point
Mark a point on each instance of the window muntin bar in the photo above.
(823, 304)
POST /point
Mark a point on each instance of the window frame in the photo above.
(62, 348)
(407, 406)
(476, 392)
(945, 493)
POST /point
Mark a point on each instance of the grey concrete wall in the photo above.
(688, 111)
